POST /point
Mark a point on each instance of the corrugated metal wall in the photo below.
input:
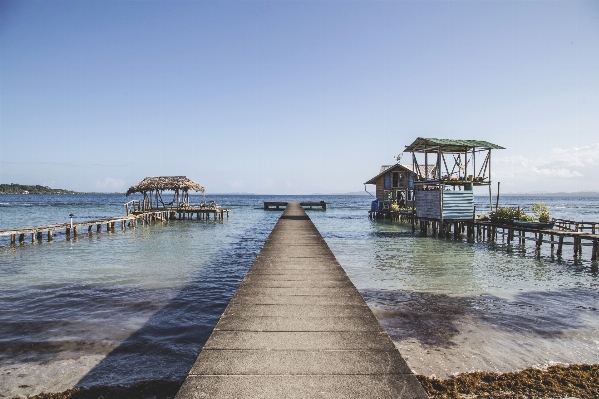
(458, 205)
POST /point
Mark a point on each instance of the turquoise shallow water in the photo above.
(146, 299)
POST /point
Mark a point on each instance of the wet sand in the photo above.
(442, 336)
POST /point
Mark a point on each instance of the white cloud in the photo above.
(573, 157)
(558, 163)
(546, 172)
(110, 183)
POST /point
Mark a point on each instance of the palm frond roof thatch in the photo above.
(181, 183)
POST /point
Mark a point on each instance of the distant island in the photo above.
(26, 189)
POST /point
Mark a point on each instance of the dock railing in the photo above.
(132, 206)
(570, 225)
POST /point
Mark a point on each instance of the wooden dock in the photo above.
(565, 232)
(554, 237)
(298, 328)
(130, 220)
(279, 204)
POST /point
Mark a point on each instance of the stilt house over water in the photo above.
(394, 185)
(152, 188)
(445, 192)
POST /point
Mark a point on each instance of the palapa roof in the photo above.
(447, 145)
(165, 183)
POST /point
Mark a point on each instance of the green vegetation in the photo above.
(37, 189)
(508, 215)
(541, 212)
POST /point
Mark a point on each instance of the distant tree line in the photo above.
(26, 189)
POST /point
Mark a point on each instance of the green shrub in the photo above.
(508, 215)
(541, 212)
(394, 207)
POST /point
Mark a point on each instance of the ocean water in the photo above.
(134, 305)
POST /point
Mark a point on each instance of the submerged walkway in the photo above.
(298, 328)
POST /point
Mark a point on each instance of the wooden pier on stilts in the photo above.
(131, 219)
(565, 233)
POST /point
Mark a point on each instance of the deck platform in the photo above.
(279, 204)
(298, 328)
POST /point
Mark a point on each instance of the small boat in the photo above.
(534, 225)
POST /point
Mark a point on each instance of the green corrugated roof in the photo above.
(449, 145)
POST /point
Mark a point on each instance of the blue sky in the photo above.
(286, 97)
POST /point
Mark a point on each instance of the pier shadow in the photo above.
(167, 345)
(436, 319)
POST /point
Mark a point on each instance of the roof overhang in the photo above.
(390, 168)
(449, 146)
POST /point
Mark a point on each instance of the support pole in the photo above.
(560, 245)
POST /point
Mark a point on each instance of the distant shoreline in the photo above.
(21, 189)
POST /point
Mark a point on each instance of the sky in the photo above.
(294, 97)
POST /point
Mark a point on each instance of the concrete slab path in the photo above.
(298, 328)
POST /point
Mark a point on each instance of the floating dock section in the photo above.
(298, 328)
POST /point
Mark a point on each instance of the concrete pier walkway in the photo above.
(298, 328)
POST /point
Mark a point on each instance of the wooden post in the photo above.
(539, 243)
(595, 249)
(39, 236)
(575, 246)
(68, 231)
(89, 229)
(75, 232)
(552, 244)
(560, 245)
(98, 228)
(456, 230)
(49, 235)
(13, 238)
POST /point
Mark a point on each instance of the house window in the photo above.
(395, 179)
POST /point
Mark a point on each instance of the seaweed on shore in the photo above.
(159, 389)
(574, 381)
(578, 381)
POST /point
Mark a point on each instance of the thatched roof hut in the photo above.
(154, 186)
(161, 183)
